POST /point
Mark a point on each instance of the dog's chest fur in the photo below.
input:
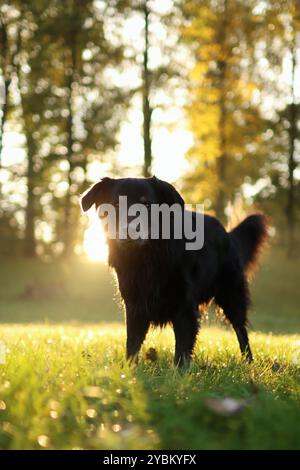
(149, 283)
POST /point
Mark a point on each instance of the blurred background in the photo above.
(202, 93)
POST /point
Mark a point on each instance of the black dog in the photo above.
(161, 282)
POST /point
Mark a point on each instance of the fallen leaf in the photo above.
(276, 367)
(226, 406)
(151, 354)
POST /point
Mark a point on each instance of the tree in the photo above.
(225, 120)
(282, 49)
(154, 54)
(293, 120)
(9, 49)
(69, 109)
(91, 125)
(147, 111)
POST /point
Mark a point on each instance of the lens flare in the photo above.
(94, 242)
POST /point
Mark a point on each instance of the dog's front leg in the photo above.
(137, 328)
(186, 326)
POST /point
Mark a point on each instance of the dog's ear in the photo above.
(166, 192)
(97, 194)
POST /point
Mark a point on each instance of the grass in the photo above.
(88, 293)
(65, 384)
(69, 388)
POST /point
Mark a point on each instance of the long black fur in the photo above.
(161, 282)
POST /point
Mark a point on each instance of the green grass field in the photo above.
(64, 383)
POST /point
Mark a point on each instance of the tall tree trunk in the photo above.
(72, 46)
(67, 238)
(222, 159)
(30, 211)
(4, 109)
(6, 83)
(290, 209)
(4, 103)
(146, 98)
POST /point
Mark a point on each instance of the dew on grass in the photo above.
(116, 428)
(53, 404)
(296, 358)
(2, 405)
(91, 413)
(43, 440)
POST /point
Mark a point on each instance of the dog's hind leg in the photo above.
(233, 297)
(186, 326)
(137, 328)
(242, 336)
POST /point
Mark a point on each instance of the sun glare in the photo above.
(94, 243)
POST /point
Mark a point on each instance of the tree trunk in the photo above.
(67, 238)
(222, 159)
(290, 208)
(6, 80)
(4, 100)
(146, 99)
(30, 209)
(29, 240)
(71, 78)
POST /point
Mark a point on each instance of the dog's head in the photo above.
(145, 192)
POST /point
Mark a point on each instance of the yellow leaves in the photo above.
(247, 89)
(203, 124)
(198, 71)
(202, 26)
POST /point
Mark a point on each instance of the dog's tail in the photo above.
(249, 237)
